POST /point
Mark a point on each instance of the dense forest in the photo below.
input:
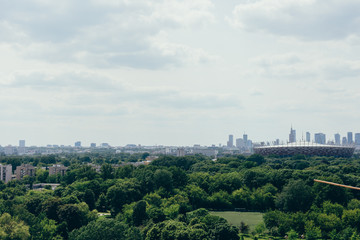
(171, 198)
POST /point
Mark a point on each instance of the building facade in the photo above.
(57, 169)
(24, 170)
(350, 138)
(292, 135)
(5, 172)
(320, 138)
(337, 139)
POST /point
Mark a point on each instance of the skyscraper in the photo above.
(350, 138)
(307, 136)
(230, 143)
(292, 135)
(320, 138)
(357, 138)
(344, 141)
(337, 139)
(21, 143)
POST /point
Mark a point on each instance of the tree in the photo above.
(12, 228)
(105, 229)
(296, 196)
(107, 171)
(89, 198)
(139, 213)
(72, 215)
(311, 231)
(163, 178)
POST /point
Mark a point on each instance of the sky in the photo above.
(177, 72)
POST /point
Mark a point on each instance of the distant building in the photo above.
(320, 138)
(350, 138)
(245, 137)
(104, 145)
(5, 172)
(337, 139)
(22, 143)
(357, 139)
(93, 145)
(344, 141)
(307, 136)
(57, 169)
(240, 143)
(78, 144)
(207, 152)
(292, 135)
(24, 170)
(180, 152)
(9, 150)
(230, 143)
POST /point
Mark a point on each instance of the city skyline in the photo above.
(176, 72)
(233, 140)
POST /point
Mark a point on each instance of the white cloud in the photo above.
(307, 19)
(104, 33)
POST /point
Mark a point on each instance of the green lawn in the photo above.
(235, 218)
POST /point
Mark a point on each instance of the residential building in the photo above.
(9, 150)
(24, 170)
(180, 152)
(307, 136)
(93, 145)
(78, 144)
(5, 172)
(57, 169)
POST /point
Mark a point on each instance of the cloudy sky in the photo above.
(177, 72)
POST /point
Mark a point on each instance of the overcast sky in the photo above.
(177, 72)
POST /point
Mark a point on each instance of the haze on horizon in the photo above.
(177, 72)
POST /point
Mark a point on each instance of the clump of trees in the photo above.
(169, 198)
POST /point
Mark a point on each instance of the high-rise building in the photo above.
(240, 143)
(245, 137)
(230, 143)
(78, 144)
(320, 138)
(93, 145)
(21, 143)
(344, 141)
(307, 136)
(350, 138)
(337, 139)
(292, 135)
(357, 138)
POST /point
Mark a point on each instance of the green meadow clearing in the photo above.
(235, 218)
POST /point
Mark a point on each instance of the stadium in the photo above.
(306, 148)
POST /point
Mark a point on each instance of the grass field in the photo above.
(235, 218)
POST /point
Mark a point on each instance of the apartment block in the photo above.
(24, 170)
(57, 169)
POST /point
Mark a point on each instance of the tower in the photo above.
(230, 143)
(350, 138)
(292, 135)
(337, 139)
